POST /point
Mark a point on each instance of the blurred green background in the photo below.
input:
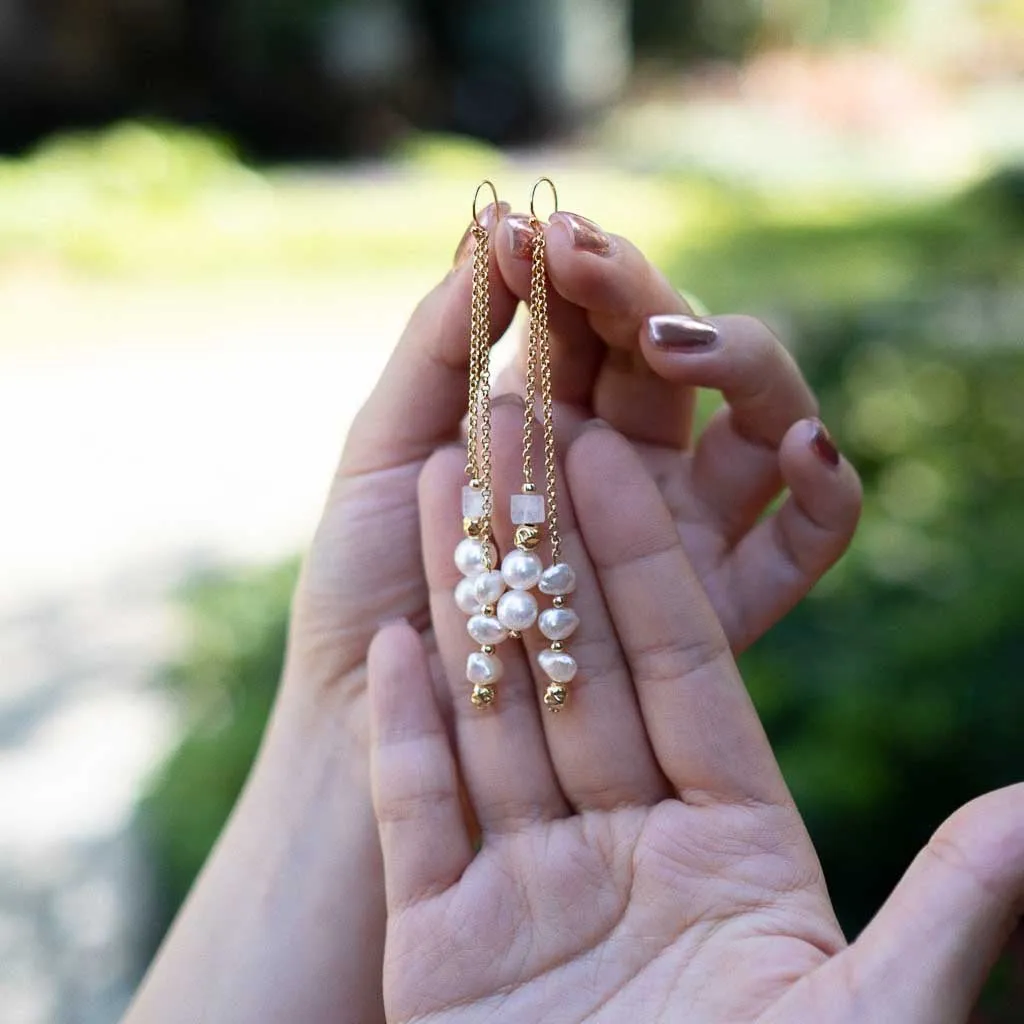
(854, 173)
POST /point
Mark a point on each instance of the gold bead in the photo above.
(487, 649)
(483, 696)
(488, 609)
(515, 634)
(557, 645)
(559, 602)
(556, 697)
(472, 528)
(527, 536)
(475, 484)
(529, 488)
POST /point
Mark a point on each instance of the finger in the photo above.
(782, 558)
(415, 781)
(702, 725)
(505, 763)
(601, 289)
(927, 953)
(598, 745)
(735, 468)
(420, 399)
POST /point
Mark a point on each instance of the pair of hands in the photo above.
(640, 854)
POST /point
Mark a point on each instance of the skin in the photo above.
(287, 920)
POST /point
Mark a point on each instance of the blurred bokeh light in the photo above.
(214, 219)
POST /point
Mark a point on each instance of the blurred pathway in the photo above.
(145, 432)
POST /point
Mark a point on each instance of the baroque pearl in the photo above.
(558, 623)
(558, 666)
(465, 596)
(517, 610)
(469, 556)
(558, 580)
(486, 630)
(521, 569)
(483, 669)
(489, 586)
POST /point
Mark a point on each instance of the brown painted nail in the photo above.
(489, 216)
(681, 333)
(584, 234)
(520, 235)
(823, 445)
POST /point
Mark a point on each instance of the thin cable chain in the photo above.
(539, 305)
(538, 322)
(479, 427)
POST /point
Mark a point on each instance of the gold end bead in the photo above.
(487, 649)
(529, 488)
(556, 697)
(483, 696)
(559, 602)
(476, 484)
(558, 646)
(527, 537)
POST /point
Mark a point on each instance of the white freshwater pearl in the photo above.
(485, 629)
(521, 569)
(489, 587)
(483, 669)
(469, 556)
(465, 596)
(558, 623)
(558, 580)
(558, 665)
(517, 610)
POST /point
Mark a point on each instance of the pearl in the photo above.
(465, 596)
(489, 587)
(483, 669)
(470, 556)
(558, 666)
(558, 623)
(517, 610)
(559, 579)
(486, 630)
(522, 569)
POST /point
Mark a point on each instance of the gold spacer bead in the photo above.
(515, 634)
(557, 645)
(559, 602)
(487, 649)
(475, 484)
(527, 537)
(488, 609)
(529, 488)
(472, 528)
(556, 697)
(483, 696)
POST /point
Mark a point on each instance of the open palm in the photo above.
(697, 900)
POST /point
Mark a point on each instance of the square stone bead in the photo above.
(472, 503)
(527, 509)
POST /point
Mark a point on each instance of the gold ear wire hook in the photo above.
(486, 183)
(533, 197)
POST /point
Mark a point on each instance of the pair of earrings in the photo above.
(499, 600)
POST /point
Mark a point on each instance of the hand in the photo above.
(687, 890)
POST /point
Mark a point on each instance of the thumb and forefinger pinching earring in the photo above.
(496, 613)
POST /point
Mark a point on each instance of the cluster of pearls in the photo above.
(558, 623)
(476, 594)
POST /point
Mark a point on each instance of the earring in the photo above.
(558, 581)
(476, 555)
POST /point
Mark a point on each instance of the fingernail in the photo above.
(823, 445)
(398, 621)
(584, 234)
(681, 333)
(520, 235)
(489, 216)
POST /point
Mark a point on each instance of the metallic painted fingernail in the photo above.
(489, 216)
(520, 235)
(584, 234)
(681, 333)
(823, 445)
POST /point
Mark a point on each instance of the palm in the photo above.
(660, 914)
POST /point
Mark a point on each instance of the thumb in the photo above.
(927, 953)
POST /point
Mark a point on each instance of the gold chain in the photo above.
(478, 441)
(540, 350)
(538, 323)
